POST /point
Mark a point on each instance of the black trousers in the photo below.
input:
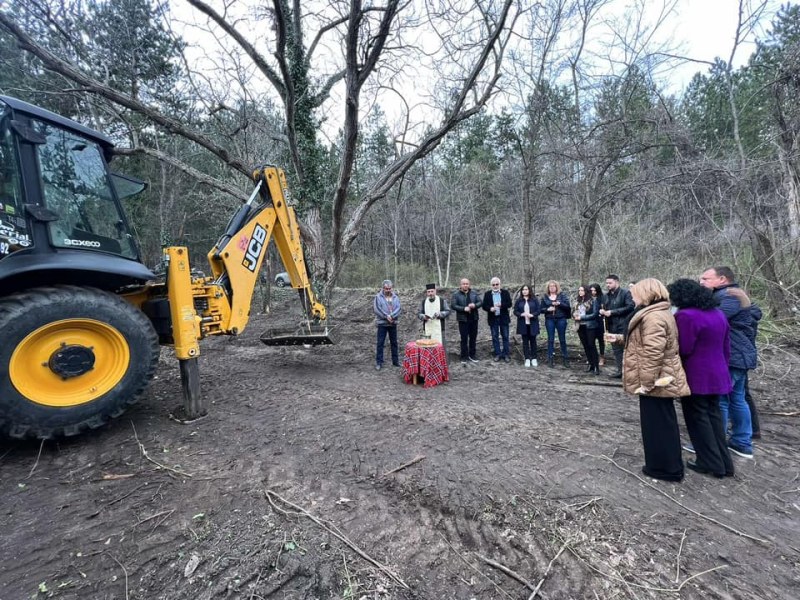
(529, 346)
(706, 430)
(661, 438)
(588, 337)
(469, 336)
(601, 340)
(748, 397)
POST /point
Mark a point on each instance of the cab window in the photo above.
(76, 186)
(14, 234)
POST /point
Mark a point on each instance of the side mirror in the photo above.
(127, 186)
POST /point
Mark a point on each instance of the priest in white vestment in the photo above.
(432, 312)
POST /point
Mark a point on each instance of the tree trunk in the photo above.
(764, 253)
(315, 247)
(527, 228)
(587, 242)
(791, 183)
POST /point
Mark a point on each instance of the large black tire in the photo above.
(63, 396)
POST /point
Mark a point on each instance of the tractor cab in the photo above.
(60, 209)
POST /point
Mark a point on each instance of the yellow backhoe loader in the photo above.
(81, 318)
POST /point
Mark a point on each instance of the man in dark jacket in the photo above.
(735, 303)
(617, 307)
(466, 302)
(497, 303)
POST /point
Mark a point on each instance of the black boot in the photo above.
(590, 369)
(550, 362)
(565, 362)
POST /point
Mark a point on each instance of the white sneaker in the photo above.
(534, 362)
(527, 362)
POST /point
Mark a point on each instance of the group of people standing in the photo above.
(700, 354)
(692, 340)
(592, 311)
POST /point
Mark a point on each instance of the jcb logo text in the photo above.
(255, 248)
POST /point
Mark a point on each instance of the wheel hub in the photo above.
(72, 361)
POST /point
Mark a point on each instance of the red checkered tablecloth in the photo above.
(429, 362)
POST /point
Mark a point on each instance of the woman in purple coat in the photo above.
(703, 338)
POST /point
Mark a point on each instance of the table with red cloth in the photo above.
(429, 362)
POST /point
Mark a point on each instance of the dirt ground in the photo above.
(526, 484)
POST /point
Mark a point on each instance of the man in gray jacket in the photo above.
(386, 307)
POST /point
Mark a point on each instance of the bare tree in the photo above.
(536, 81)
(747, 199)
(370, 37)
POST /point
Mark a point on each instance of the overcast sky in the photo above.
(707, 27)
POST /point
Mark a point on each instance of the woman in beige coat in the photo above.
(652, 369)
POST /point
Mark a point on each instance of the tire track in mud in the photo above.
(503, 477)
(457, 510)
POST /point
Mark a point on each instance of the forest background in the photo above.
(429, 140)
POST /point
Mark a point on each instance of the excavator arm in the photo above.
(200, 306)
(236, 259)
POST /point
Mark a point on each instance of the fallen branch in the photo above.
(642, 586)
(33, 468)
(595, 381)
(476, 569)
(155, 516)
(117, 499)
(678, 559)
(663, 493)
(255, 587)
(143, 450)
(547, 571)
(584, 504)
(781, 414)
(116, 477)
(332, 529)
(683, 506)
(404, 466)
(124, 570)
(506, 570)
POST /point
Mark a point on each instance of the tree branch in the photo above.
(255, 56)
(183, 167)
(92, 85)
(398, 168)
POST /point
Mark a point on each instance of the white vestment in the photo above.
(433, 327)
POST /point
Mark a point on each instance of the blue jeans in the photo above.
(735, 405)
(500, 329)
(382, 331)
(552, 325)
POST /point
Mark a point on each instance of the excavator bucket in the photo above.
(306, 335)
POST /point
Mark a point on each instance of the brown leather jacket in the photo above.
(651, 352)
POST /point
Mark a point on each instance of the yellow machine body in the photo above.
(220, 304)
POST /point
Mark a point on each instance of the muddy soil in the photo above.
(525, 483)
